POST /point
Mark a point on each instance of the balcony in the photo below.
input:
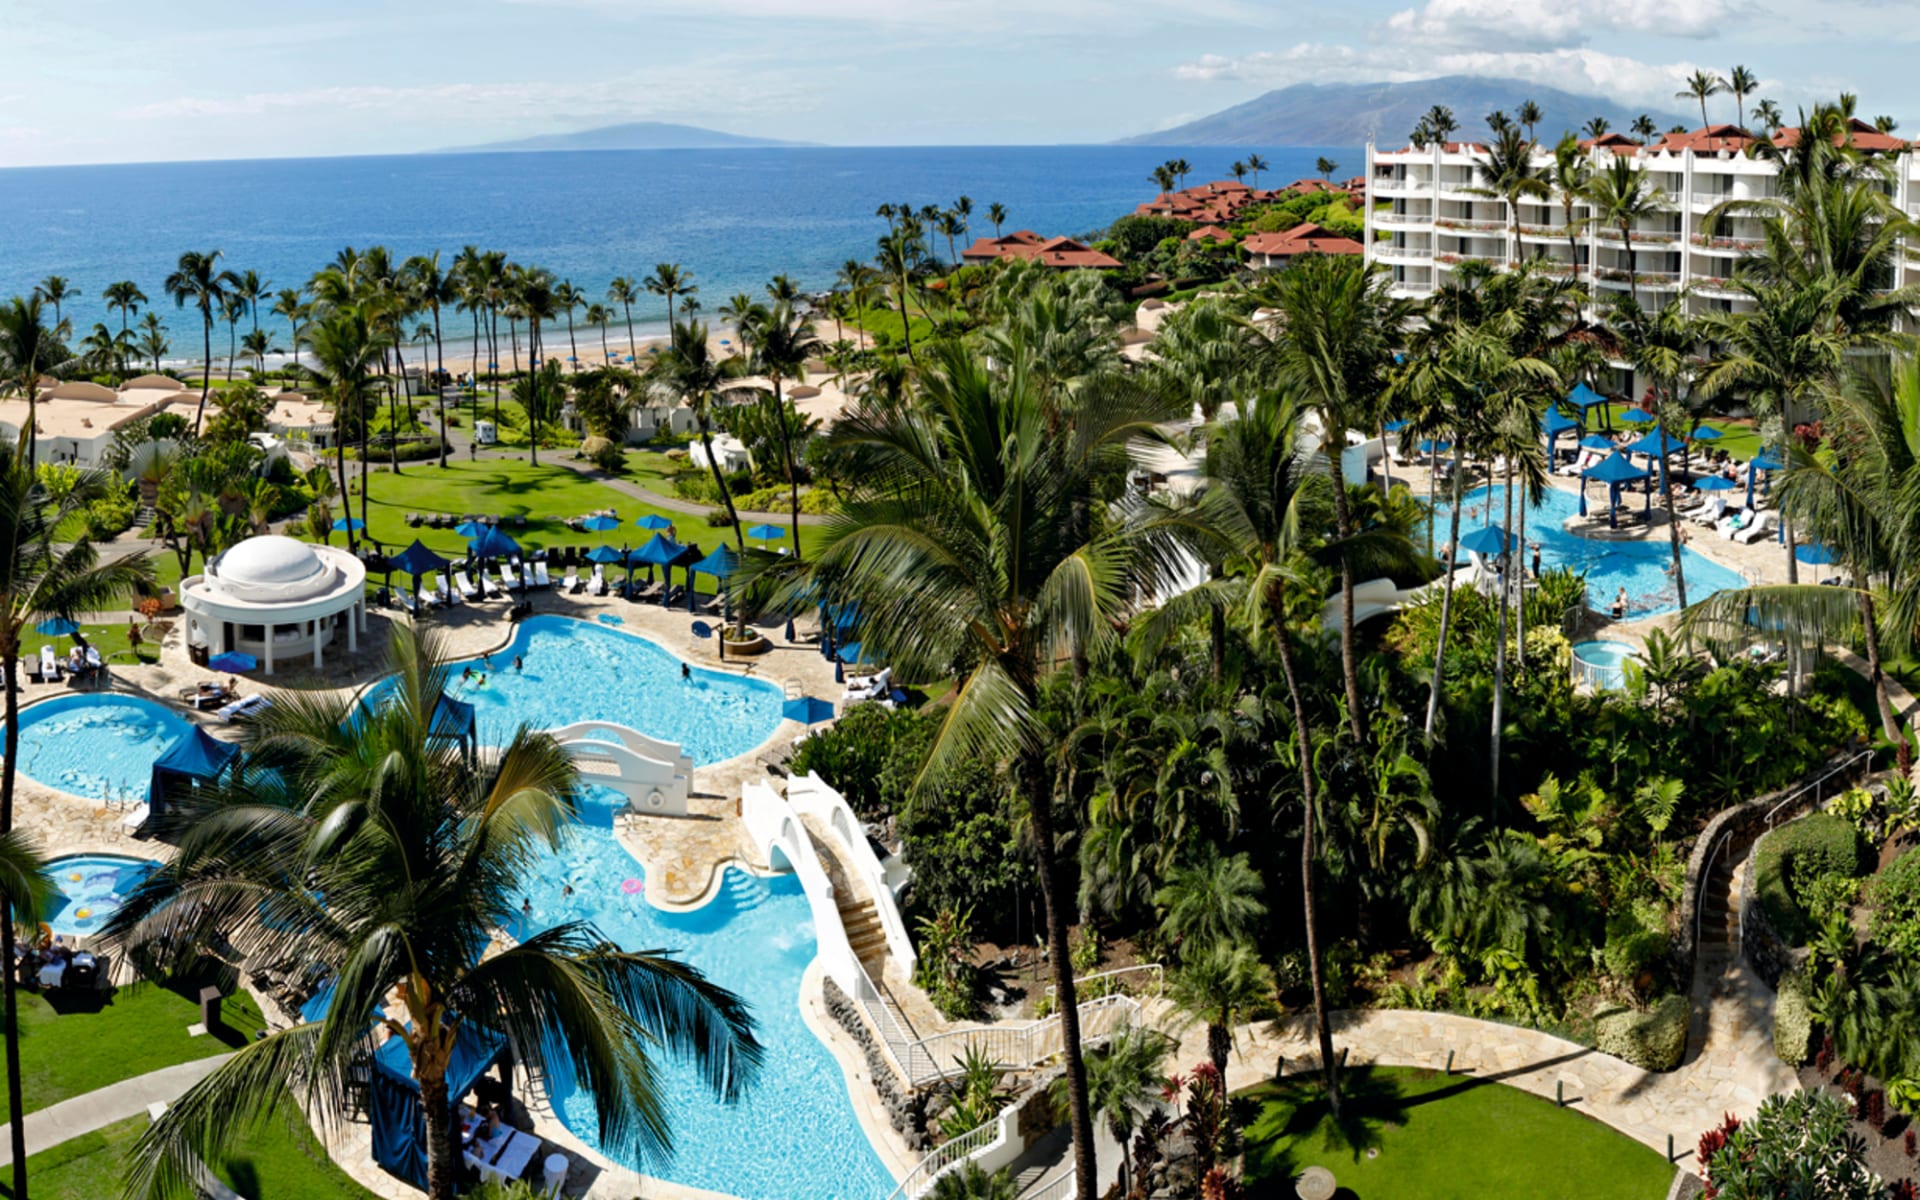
(1400, 220)
(1466, 225)
(1455, 260)
(1717, 287)
(1658, 281)
(1388, 250)
(1726, 245)
(1648, 237)
(1399, 187)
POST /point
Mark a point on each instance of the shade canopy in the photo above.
(1707, 433)
(1434, 446)
(491, 543)
(417, 560)
(1815, 554)
(1584, 397)
(343, 524)
(1596, 441)
(1713, 483)
(1615, 468)
(723, 562)
(398, 1126)
(1397, 426)
(766, 533)
(233, 660)
(195, 755)
(1656, 443)
(1637, 415)
(1558, 422)
(1489, 540)
(600, 523)
(452, 718)
(809, 710)
(660, 551)
(1767, 460)
(471, 529)
(654, 521)
(605, 554)
(58, 627)
(849, 653)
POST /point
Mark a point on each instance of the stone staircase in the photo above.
(864, 931)
(1719, 947)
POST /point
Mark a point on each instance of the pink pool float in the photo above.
(633, 886)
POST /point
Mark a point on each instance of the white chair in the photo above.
(571, 582)
(49, 664)
(526, 577)
(1762, 522)
(467, 591)
(507, 578)
(540, 576)
(134, 819)
(597, 586)
(1708, 513)
(404, 598)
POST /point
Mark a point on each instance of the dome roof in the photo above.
(272, 567)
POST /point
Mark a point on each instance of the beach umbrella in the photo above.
(1763, 461)
(1815, 554)
(1637, 415)
(1490, 540)
(1583, 397)
(472, 527)
(1707, 433)
(604, 554)
(1434, 446)
(233, 662)
(808, 710)
(58, 627)
(1595, 441)
(600, 523)
(491, 543)
(1712, 483)
(721, 564)
(346, 524)
(654, 521)
(1614, 470)
(766, 533)
(1397, 426)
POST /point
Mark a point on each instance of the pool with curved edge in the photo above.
(97, 745)
(1605, 662)
(1643, 568)
(89, 888)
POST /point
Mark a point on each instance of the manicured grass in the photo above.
(1441, 1137)
(1737, 439)
(70, 1046)
(278, 1160)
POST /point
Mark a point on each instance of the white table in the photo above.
(52, 974)
(505, 1157)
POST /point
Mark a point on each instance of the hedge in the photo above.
(1895, 896)
(1815, 845)
(1792, 1020)
(1655, 1040)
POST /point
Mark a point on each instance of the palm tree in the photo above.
(1162, 177)
(1701, 85)
(54, 290)
(41, 579)
(153, 341)
(567, 300)
(1507, 174)
(599, 316)
(1214, 898)
(996, 216)
(251, 289)
(126, 298)
(1661, 346)
(1528, 114)
(1342, 328)
(1742, 83)
(347, 350)
(1621, 196)
(624, 291)
(1597, 127)
(1325, 167)
(430, 288)
(1219, 986)
(856, 279)
(539, 301)
(899, 256)
(970, 1182)
(421, 849)
(28, 348)
(1440, 120)
(1768, 115)
(290, 305)
(1238, 170)
(232, 308)
(1644, 127)
(782, 341)
(1568, 179)
(971, 547)
(669, 280)
(1255, 165)
(702, 382)
(197, 278)
(1124, 1086)
(950, 226)
(258, 344)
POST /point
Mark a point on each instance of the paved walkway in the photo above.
(98, 1109)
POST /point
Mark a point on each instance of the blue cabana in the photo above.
(1706, 433)
(654, 521)
(1557, 423)
(1766, 460)
(453, 719)
(721, 564)
(1657, 445)
(660, 551)
(689, 554)
(394, 1113)
(1595, 441)
(1637, 415)
(491, 543)
(1583, 397)
(416, 560)
(196, 757)
(1614, 471)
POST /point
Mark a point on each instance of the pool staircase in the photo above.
(656, 777)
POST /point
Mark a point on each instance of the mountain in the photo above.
(1350, 114)
(635, 135)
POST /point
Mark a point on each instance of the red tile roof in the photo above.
(1713, 139)
(1619, 143)
(1862, 136)
(1062, 252)
(1305, 238)
(1209, 233)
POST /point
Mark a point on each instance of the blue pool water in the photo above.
(97, 745)
(793, 1136)
(1638, 566)
(90, 888)
(580, 671)
(1607, 661)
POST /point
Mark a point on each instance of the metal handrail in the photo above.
(919, 1180)
(1158, 972)
(1016, 1047)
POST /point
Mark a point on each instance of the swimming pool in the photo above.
(1641, 567)
(1602, 664)
(582, 671)
(98, 745)
(90, 888)
(793, 1135)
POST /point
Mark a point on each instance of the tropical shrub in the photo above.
(1655, 1040)
(113, 512)
(1792, 1020)
(1798, 1144)
(1894, 895)
(1791, 859)
(852, 752)
(945, 970)
(603, 453)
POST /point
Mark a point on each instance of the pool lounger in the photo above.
(246, 706)
(571, 583)
(507, 579)
(132, 822)
(467, 591)
(540, 576)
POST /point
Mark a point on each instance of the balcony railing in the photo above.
(1653, 236)
(1649, 279)
(1389, 250)
(1739, 245)
(1399, 220)
(1713, 285)
(1400, 187)
(1469, 225)
(1454, 260)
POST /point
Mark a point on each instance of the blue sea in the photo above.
(734, 217)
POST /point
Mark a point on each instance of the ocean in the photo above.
(734, 218)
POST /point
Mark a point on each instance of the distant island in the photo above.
(633, 135)
(1349, 114)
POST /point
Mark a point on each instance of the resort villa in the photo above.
(275, 597)
(75, 421)
(1061, 253)
(1272, 251)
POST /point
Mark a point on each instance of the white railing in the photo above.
(1108, 982)
(1058, 1188)
(1389, 250)
(773, 825)
(1015, 1045)
(949, 1154)
(1601, 677)
(811, 794)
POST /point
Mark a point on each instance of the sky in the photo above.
(117, 81)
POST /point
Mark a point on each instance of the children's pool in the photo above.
(793, 1135)
(97, 745)
(90, 888)
(1603, 663)
(580, 671)
(1643, 568)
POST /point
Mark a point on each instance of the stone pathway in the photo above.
(100, 1108)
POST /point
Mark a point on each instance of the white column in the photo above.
(315, 626)
(353, 628)
(219, 639)
(269, 649)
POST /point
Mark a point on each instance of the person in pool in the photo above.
(686, 672)
(466, 674)
(1620, 605)
(517, 664)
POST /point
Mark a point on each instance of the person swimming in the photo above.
(517, 664)
(466, 675)
(686, 672)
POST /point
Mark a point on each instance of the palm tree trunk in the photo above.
(232, 326)
(437, 1116)
(1889, 722)
(16, 1103)
(1217, 640)
(1500, 651)
(720, 480)
(633, 347)
(395, 388)
(206, 375)
(533, 392)
(366, 427)
(1520, 599)
(793, 475)
(1080, 1112)
(1786, 518)
(440, 393)
(1309, 904)
(906, 326)
(340, 455)
(1673, 517)
(1343, 521)
(1446, 601)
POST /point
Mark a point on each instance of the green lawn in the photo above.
(278, 1160)
(1737, 436)
(1417, 1135)
(72, 1046)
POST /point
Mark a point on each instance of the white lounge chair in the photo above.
(246, 706)
(468, 592)
(507, 578)
(135, 818)
(597, 586)
(526, 576)
(49, 664)
(1710, 512)
(404, 599)
(445, 597)
(571, 581)
(1762, 522)
(540, 576)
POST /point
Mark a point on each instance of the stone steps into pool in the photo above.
(864, 932)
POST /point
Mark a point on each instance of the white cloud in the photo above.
(1532, 23)
(1627, 80)
(955, 16)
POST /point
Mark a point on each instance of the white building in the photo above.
(1433, 224)
(274, 597)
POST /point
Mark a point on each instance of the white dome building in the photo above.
(273, 597)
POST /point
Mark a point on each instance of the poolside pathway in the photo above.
(102, 1107)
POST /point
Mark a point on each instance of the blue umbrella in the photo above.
(1815, 554)
(1397, 426)
(604, 554)
(471, 529)
(702, 630)
(766, 533)
(660, 551)
(1637, 415)
(1595, 441)
(344, 524)
(58, 627)
(1584, 397)
(1613, 471)
(600, 524)
(808, 710)
(491, 543)
(233, 661)
(1712, 483)
(1707, 433)
(1763, 461)
(849, 653)
(1490, 540)
(654, 521)
(721, 564)
(1434, 446)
